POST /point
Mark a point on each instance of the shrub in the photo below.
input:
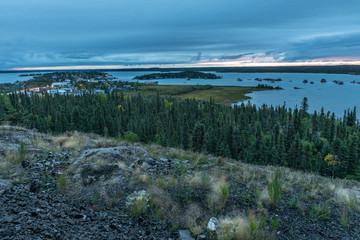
(274, 189)
(131, 137)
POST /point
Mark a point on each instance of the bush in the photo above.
(274, 189)
(131, 137)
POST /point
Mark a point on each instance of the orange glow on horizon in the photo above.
(213, 63)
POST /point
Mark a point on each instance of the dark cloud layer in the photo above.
(63, 32)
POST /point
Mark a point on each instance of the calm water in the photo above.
(13, 77)
(333, 97)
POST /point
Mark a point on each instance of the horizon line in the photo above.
(196, 65)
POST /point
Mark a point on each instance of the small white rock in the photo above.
(213, 224)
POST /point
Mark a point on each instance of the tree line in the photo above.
(317, 142)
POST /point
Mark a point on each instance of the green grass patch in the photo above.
(220, 94)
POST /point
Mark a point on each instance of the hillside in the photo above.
(82, 186)
(315, 142)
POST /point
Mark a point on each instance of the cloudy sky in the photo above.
(137, 33)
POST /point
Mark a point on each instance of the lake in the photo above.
(333, 97)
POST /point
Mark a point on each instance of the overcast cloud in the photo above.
(45, 33)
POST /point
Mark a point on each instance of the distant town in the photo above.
(69, 83)
(92, 82)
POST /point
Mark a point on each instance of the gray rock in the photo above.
(112, 154)
(8, 219)
(201, 237)
(4, 184)
(185, 235)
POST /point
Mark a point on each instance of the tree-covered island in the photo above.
(185, 74)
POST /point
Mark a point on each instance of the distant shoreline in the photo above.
(341, 69)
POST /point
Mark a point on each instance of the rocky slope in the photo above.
(80, 186)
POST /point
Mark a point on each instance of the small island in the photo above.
(30, 75)
(186, 74)
(265, 86)
(272, 80)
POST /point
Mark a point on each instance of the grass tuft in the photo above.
(138, 203)
(320, 211)
(275, 189)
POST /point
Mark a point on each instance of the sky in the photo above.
(76, 34)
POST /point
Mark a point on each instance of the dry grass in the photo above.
(264, 196)
(314, 186)
(144, 178)
(235, 228)
(121, 165)
(191, 217)
(46, 144)
(157, 151)
(163, 206)
(199, 180)
(347, 197)
(138, 202)
(11, 168)
(218, 194)
(13, 128)
(79, 141)
(71, 141)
